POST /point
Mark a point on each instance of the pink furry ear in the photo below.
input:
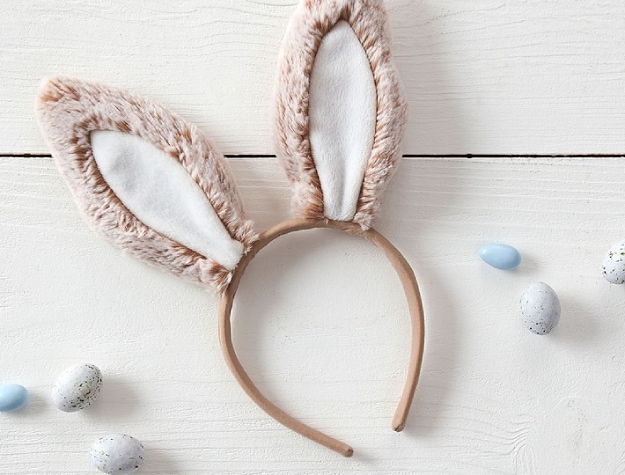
(340, 109)
(147, 180)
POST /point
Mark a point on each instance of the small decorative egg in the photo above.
(614, 263)
(500, 256)
(12, 397)
(77, 387)
(117, 454)
(540, 308)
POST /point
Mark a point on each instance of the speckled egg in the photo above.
(77, 387)
(540, 308)
(117, 454)
(12, 397)
(614, 263)
(501, 256)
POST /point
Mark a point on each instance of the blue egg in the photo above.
(12, 397)
(500, 256)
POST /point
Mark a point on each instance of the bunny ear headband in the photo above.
(155, 186)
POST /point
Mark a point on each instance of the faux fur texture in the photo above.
(309, 24)
(68, 110)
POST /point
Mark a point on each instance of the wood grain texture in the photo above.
(314, 307)
(488, 77)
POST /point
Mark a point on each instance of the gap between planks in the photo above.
(452, 155)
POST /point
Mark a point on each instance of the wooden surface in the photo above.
(493, 397)
(486, 77)
(489, 77)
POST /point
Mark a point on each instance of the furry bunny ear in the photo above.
(340, 109)
(147, 180)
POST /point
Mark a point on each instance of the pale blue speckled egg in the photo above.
(540, 308)
(117, 454)
(77, 387)
(614, 263)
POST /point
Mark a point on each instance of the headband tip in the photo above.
(398, 426)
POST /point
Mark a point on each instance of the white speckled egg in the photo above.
(77, 387)
(540, 308)
(117, 454)
(614, 263)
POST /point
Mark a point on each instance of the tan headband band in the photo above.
(415, 308)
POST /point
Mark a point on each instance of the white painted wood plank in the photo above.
(320, 325)
(490, 77)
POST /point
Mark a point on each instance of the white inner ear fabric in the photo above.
(161, 194)
(342, 113)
